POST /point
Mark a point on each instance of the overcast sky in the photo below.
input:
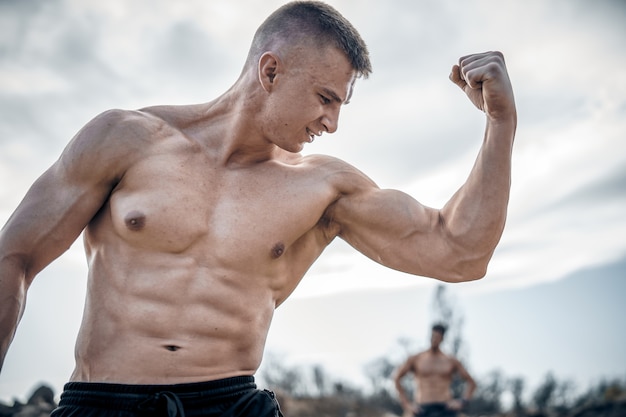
(64, 61)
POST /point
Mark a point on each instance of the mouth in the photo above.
(312, 135)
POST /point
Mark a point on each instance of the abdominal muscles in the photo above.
(170, 321)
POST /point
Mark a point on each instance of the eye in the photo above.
(325, 100)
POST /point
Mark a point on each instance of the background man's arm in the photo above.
(470, 387)
(470, 384)
(401, 372)
(455, 243)
(53, 213)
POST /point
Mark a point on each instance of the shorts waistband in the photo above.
(132, 397)
(206, 386)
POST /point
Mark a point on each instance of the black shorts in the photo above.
(231, 397)
(435, 410)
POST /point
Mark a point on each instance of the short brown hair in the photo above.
(315, 21)
(439, 327)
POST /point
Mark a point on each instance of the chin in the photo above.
(297, 148)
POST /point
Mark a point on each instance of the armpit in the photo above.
(328, 227)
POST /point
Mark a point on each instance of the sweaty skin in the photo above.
(200, 220)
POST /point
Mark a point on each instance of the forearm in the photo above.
(12, 302)
(475, 216)
(470, 387)
(404, 400)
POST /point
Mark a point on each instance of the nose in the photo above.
(330, 121)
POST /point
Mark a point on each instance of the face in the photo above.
(436, 338)
(306, 96)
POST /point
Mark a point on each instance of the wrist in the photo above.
(508, 121)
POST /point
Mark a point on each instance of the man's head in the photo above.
(438, 331)
(305, 58)
(310, 24)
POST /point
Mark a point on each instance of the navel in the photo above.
(172, 348)
(135, 220)
(278, 250)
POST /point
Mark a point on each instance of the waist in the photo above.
(128, 358)
(129, 397)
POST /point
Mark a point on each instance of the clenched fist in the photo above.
(485, 80)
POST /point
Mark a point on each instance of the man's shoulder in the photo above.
(117, 115)
(117, 135)
(421, 354)
(128, 127)
(118, 120)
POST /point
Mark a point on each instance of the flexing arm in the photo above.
(54, 212)
(454, 243)
(476, 214)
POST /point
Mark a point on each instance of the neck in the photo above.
(233, 122)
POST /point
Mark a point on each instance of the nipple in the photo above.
(135, 220)
(278, 250)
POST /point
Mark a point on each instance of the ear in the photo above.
(269, 65)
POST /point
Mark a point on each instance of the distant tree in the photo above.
(406, 345)
(554, 395)
(615, 390)
(379, 372)
(447, 312)
(281, 377)
(516, 386)
(346, 390)
(544, 394)
(321, 379)
(487, 398)
(563, 397)
(604, 391)
(605, 399)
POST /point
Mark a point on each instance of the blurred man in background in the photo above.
(433, 373)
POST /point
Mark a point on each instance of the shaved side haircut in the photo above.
(312, 23)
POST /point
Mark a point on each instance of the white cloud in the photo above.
(18, 80)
